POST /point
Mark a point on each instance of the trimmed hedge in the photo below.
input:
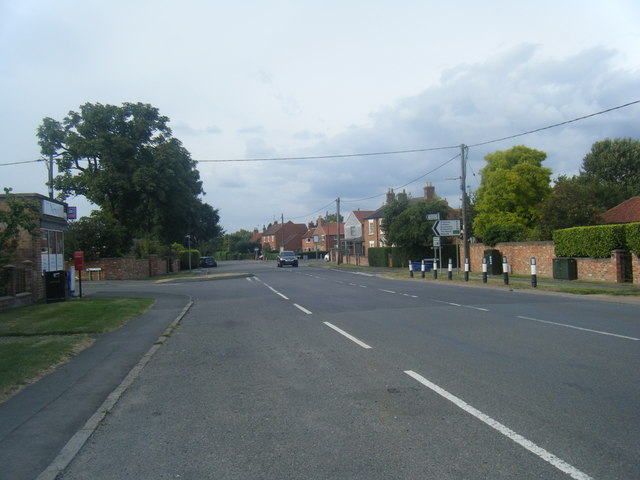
(595, 242)
(632, 237)
(379, 256)
(184, 259)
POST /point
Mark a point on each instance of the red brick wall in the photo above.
(128, 268)
(519, 258)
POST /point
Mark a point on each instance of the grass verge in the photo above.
(35, 340)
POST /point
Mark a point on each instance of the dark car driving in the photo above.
(206, 262)
(287, 257)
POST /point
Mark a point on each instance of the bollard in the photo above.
(484, 270)
(450, 274)
(423, 268)
(410, 269)
(435, 268)
(466, 269)
(505, 270)
(534, 273)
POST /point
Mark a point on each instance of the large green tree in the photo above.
(405, 221)
(514, 183)
(98, 235)
(574, 202)
(15, 214)
(125, 160)
(613, 165)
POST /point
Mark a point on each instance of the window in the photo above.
(371, 227)
(372, 244)
(308, 239)
(352, 231)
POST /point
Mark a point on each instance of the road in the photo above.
(321, 374)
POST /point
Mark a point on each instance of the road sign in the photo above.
(446, 228)
(433, 216)
(436, 241)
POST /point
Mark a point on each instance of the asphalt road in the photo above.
(322, 374)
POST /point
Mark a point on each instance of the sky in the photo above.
(297, 78)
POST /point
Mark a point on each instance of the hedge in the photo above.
(632, 237)
(595, 242)
(184, 259)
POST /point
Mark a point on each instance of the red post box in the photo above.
(78, 260)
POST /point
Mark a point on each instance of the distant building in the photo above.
(626, 212)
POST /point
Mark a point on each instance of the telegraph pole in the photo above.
(282, 228)
(463, 184)
(338, 229)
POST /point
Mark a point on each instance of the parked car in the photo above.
(287, 257)
(206, 262)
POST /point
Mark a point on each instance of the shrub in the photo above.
(379, 256)
(632, 237)
(595, 242)
(184, 259)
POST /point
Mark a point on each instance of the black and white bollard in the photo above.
(534, 273)
(435, 268)
(450, 269)
(424, 268)
(505, 270)
(484, 270)
(410, 269)
(466, 269)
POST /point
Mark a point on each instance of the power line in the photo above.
(555, 125)
(408, 183)
(324, 157)
(20, 163)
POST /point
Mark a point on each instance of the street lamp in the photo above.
(188, 237)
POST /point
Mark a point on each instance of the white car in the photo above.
(326, 257)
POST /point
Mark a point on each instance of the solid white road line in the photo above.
(386, 291)
(302, 308)
(350, 337)
(579, 328)
(519, 439)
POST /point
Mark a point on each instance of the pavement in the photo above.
(43, 426)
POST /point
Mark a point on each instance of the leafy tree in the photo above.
(125, 160)
(574, 202)
(15, 215)
(615, 166)
(513, 184)
(238, 241)
(405, 221)
(98, 235)
(331, 217)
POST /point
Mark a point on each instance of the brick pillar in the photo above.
(617, 259)
(635, 265)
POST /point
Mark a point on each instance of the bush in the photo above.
(184, 259)
(379, 256)
(595, 242)
(632, 237)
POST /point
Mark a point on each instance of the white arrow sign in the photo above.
(446, 228)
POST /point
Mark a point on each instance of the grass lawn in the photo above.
(36, 339)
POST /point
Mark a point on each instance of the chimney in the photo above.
(403, 195)
(429, 191)
(390, 195)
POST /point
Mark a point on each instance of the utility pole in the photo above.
(463, 184)
(338, 229)
(282, 229)
(51, 176)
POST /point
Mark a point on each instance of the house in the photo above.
(353, 231)
(283, 236)
(373, 234)
(309, 241)
(44, 250)
(626, 212)
(327, 233)
(256, 237)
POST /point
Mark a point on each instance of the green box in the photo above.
(565, 268)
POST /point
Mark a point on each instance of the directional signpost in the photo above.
(446, 228)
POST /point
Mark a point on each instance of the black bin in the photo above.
(55, 285)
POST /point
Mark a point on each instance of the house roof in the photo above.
(361, 214)
(330, 228)
(626, 212)
(256, 237)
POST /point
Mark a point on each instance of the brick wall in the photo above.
(128, 268)
(519, 258)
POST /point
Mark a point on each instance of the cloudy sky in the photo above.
(295, 78)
